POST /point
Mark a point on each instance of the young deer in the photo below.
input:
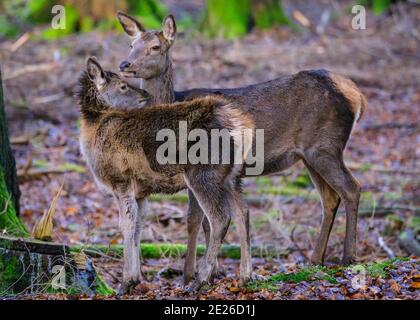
(306, 116)
(120, 148)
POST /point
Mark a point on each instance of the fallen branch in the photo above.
(382, 211)
(48, 99)
(41, 67)
(30, 264)
(33, 174)
(391, 125)
(20, 140)
(20, 42)
(175, 250)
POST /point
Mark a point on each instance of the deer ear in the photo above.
(130, 25)
(169, 28)
(95, 72)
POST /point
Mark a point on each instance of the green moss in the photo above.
(381, 269)
(40, 163)
(262, 285)
(177, 197)
(288, 191)
(10, 272)
(156, 251)
(392, 196)
(102, 288)
(68, 166)
(365, 167)
(313, 273)
(174, 250)
(264, 181)
(301, 186)
(9, 269)
(302, 181)
(310, 273)
(9, 222)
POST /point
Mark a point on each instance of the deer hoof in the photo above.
(188, 277)
(252, 277)
(127, 287)
(198, 287)
(218, 273)
(348, 260)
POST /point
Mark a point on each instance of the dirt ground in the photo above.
(383, 153)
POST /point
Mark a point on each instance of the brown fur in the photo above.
(120, 148)
(307, 116)
(349, 89)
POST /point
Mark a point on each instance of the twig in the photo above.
(33, 174)
(19, 140)
(383, 211)
(48, 99)
(387, 249)
(20, 42)
(30, 69)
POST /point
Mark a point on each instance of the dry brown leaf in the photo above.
(43, 229)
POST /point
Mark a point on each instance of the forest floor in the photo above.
(39, 82)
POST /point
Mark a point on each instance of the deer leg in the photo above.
(212, 198)
(217, 271)
(332, 168)
(241, 215)
(130, 227)
(142, 206)
(330, 201)
(194, 218)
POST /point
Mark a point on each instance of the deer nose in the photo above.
(124, 65)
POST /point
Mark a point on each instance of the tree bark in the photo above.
(7, 161)
(31, 266)
(176, 250)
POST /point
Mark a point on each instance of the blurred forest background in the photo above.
(221, 44)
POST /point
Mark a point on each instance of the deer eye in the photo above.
(123, 87)
(155, 48)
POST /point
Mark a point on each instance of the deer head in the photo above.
(149, 54)
(112, 90)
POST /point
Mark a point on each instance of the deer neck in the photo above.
(161, 87)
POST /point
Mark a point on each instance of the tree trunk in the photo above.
(30, 266)
(7, 162)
